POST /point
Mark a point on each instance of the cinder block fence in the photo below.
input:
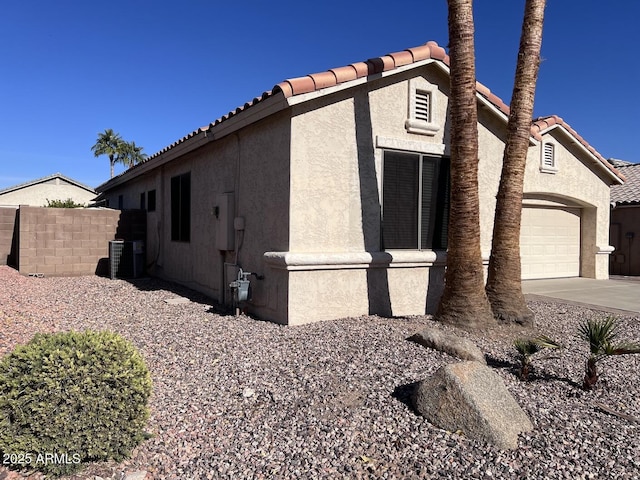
(7, 224)
(63, 241)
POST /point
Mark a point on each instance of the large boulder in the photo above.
(471, 397)
(459, 347)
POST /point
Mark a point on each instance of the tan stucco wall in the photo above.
(336, 185)
(37, 195)
(253, 165)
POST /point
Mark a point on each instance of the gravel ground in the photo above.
(235, 397)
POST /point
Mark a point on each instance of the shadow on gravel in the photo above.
(546, 377)
(534, 376)
(148, 284)
(404, 393)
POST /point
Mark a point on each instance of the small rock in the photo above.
(177, 301)
(248, 392)
(449, 343)
(140, 475)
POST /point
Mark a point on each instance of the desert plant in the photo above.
(68, 203)
(602, 336)
(527, 347)
(71, 398)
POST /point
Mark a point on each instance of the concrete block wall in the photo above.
(7, 224)
(63, 241)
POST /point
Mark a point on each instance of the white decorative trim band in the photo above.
(608, 250)
(343, 260)
(410, 145)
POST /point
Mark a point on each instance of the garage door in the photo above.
(550, 242)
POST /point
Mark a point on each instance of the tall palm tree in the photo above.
(463, 301)
(504, 285)
(109, 143)
(131, 154)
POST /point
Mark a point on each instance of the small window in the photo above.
(181, 208)
(120, 202)
(548, 161)
(151, 201)
(143, 201)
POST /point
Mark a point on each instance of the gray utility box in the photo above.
(126, 259)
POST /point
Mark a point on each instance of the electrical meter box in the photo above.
(225, 233)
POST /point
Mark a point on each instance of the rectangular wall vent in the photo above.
(423, 107)
(549, 157)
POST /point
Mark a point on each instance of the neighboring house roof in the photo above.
(629, 192)
(616, 162)
(334, 77)
(44, 180)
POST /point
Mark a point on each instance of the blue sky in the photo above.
(155, 70)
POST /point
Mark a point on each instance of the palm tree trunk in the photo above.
(504, 284)
(463, 302)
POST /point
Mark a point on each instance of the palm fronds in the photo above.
(527, 347)
(602, 334)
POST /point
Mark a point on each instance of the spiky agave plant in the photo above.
(527, 347)
(601, 334)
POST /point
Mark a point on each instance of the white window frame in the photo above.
(415, 123)
(547, 166)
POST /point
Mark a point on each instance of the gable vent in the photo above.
(549, 158)
(423, 101)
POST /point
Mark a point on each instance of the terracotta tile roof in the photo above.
(629, 192)
(336, 76)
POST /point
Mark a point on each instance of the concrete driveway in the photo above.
(617, 295)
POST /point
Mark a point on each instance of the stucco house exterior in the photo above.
(625, 221)
(52, 187)
(333, 188)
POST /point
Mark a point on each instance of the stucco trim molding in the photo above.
(345, 260)
(606, 250)
(410, 145)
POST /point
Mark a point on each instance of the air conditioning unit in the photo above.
(126, 259)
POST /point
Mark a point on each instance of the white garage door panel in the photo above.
(550, 242)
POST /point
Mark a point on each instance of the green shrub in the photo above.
(71, 398)
(68, 203)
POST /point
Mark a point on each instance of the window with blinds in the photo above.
(415, 201)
